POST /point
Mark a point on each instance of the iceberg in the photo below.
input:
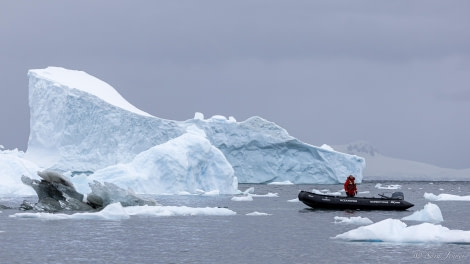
(80, 124)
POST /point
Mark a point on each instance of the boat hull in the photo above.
(357, 203)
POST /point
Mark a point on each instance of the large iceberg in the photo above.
(80, 123)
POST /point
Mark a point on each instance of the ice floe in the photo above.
(446, 197)
(388, 187)
(255, 213)
(355, 220)
(396, 231)
(116, 211)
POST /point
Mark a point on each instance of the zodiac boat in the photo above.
(395, 202)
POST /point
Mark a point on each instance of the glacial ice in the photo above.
(79, 123)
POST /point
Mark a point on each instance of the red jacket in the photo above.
(350, 187)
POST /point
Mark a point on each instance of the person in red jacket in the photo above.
(350, 186)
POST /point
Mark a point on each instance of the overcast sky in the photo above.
(393, 73)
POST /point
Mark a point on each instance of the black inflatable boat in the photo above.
(395, 202)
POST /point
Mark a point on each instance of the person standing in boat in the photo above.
(350, 186)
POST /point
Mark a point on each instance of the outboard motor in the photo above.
(398, 195)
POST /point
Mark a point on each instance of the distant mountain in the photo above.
(381, 167)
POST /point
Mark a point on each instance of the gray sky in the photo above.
(393, 73)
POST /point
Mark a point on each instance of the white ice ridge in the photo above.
(117, 212)
(446, 197)
(431, 213)
(79, 123)
(396, 231)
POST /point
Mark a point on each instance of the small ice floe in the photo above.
(281, 183)
(445, 197)
(355, 220)
(396, 231)
(245, 198)
(326, 192)
(265, 195)
(388, 187)
(296, 200)
(431, 213)
(116, 211)
(255, 213)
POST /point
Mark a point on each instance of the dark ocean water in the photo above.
(291, 234)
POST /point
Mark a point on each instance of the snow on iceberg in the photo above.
(446, 197)
(80, 123)
(396, 231)
(430, 213)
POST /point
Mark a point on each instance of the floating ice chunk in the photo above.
(296, 200)
(355, 220)
(396, 231)
(255, 213)
(111, 212)
(117, 212)
(388, 187)
(430, 213)
(281, 183)
(177, 211)
(446, 197)
(246, 198)
(265, 195)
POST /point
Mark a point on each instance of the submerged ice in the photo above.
(81, 124)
